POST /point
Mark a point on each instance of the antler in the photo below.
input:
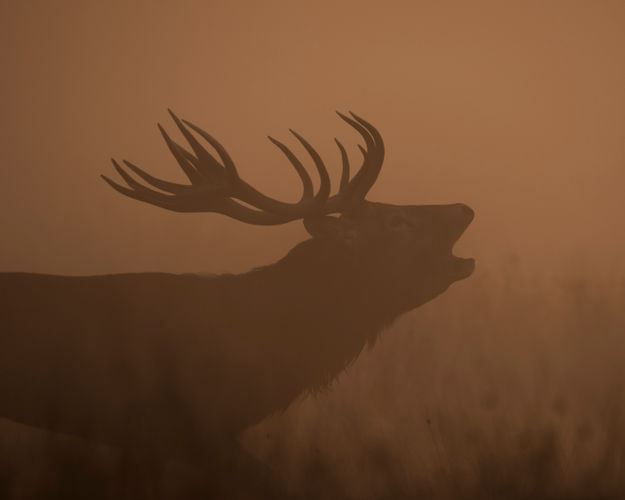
(216, 187)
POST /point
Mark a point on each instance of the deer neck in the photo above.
(323, 283)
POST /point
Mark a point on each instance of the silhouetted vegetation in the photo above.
(505, 387)
(502, 388)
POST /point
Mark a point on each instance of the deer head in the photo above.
(404, 252)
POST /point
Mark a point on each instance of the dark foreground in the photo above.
(511, 388)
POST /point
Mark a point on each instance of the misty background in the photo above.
(514, 108)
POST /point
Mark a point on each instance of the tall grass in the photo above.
(507, 386)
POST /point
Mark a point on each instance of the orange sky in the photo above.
(515, 108)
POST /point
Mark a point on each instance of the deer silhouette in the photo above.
(178, 365)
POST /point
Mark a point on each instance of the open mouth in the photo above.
(462, 267)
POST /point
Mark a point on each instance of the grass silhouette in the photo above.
(506, 387)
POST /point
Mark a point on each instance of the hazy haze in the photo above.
(516, 109)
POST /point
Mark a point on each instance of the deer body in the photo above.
(125, 358)
(178, 365)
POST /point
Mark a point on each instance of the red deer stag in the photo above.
(177, 365)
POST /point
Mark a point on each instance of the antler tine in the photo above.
(170, 187)
(299, 168)
(176, 150)
(195, 201)
(324, 187)
(228, 164)
(216, 187)
(351, 192)
(373, 158)
(136, 190)
(205, 162)
(251, 195)
(345, 168)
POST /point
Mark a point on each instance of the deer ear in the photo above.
(324, 226)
